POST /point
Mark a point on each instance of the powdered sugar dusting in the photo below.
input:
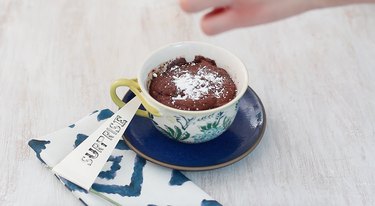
(195, 86)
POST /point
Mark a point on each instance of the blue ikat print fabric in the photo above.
(126, 178)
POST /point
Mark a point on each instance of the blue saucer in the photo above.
(238, 141)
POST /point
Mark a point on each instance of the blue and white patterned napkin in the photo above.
(126, 179)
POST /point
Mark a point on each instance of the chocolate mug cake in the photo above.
(188, 98)
(193, 86)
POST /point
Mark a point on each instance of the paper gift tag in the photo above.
(126, 178)
(85, 162)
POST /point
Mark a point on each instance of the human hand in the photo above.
(230, 14)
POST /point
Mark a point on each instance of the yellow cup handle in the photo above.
(134, 87)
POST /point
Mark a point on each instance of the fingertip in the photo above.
(218, 21)
(207, 28)
(186, 6)
(200, 5)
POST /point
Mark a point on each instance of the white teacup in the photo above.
(181, 125)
